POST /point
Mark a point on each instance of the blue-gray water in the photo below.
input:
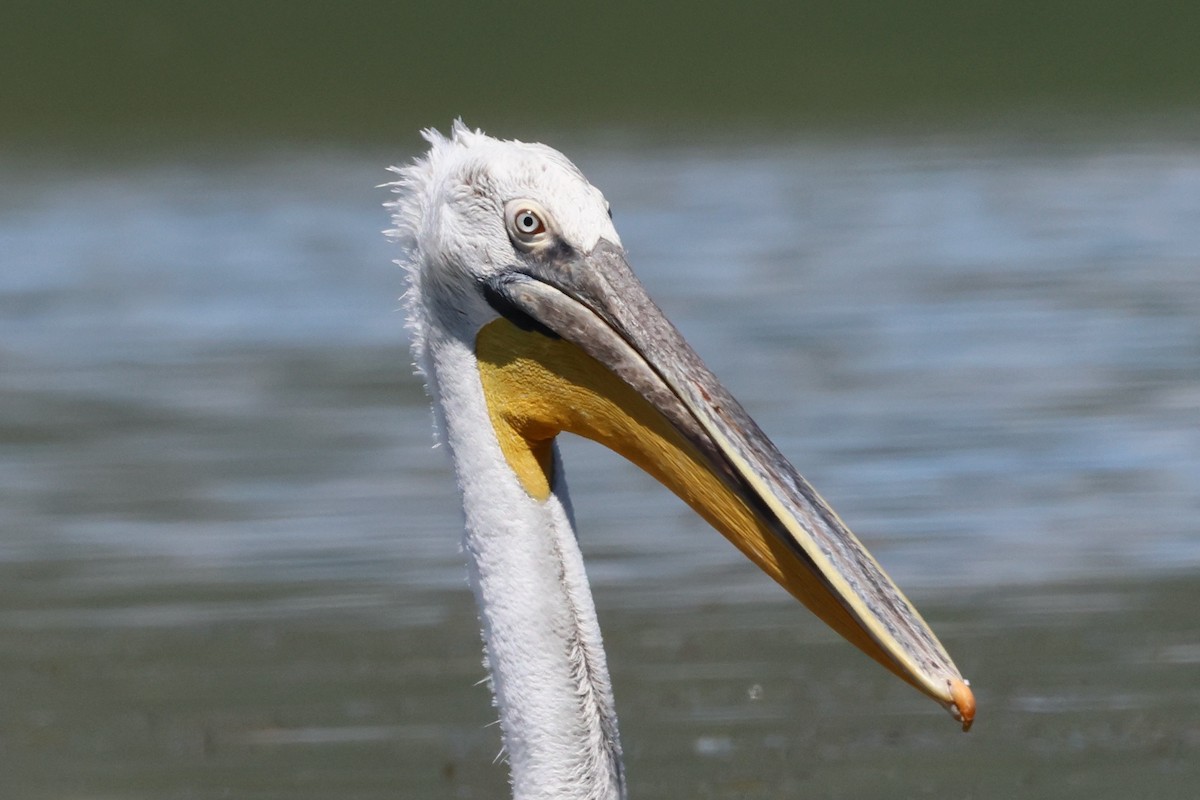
(228, 553)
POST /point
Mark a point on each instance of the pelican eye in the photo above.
(528, 223)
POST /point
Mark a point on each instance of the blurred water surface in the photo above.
(228, 555)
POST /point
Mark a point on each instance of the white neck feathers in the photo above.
(549, 674)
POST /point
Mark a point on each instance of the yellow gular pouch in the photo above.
(537, 387)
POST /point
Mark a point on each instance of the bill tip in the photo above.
(964, 702)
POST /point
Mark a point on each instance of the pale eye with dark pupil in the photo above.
(529, 223)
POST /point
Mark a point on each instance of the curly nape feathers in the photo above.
(416, 194)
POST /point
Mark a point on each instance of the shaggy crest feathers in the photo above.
(414, 190)
(446, 213)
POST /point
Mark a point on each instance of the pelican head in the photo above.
(528, 321)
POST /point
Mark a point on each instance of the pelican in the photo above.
(527, 321)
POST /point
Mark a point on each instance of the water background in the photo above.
(961, 292)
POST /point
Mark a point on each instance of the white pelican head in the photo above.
(527, 321)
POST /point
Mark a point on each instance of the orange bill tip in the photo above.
(964, 702)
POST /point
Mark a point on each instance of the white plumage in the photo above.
(549, 673)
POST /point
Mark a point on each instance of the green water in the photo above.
(291, 690)
(138, 72)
